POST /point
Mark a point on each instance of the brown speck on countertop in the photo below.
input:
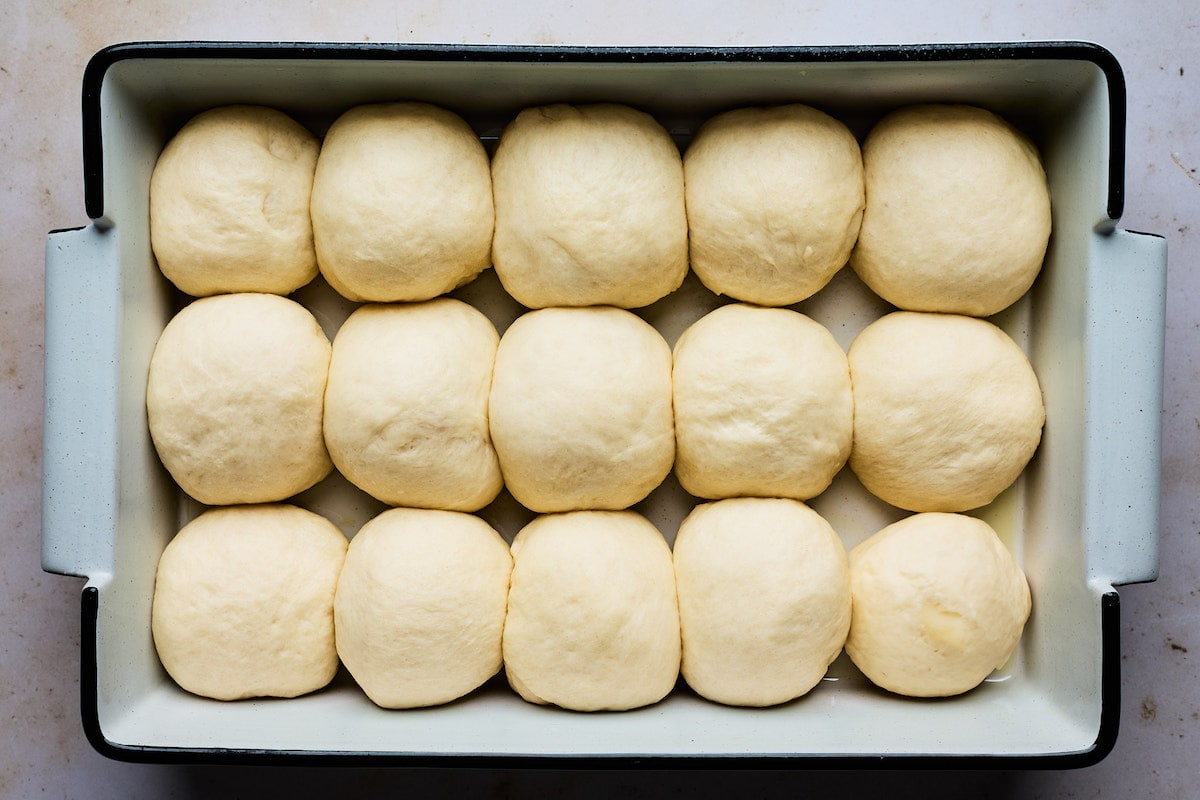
(1149, 709)
(1176, 646)
(1190, 172)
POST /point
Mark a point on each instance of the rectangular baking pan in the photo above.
(1082, 519)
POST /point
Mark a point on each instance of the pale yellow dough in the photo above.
(243, 602)
(958, 211)
(589, 207)
(420, 606)
(947, 410)
(234, 399)
(401, 203)
(764, 599)
(229, 200)
(593, 622)
(939, 603)
(406, 417)
(763, 405)
(774, 202)
(580, 409)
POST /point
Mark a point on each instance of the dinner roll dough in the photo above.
(420, 606)
(243, 602)
(229, 202)
(774, 202)
(947, 411)
(401, 203)
(593, 622)
(581, 409)
(764, 599)
(234, 399)
(406, 416)
(763, 405)
(958, 211)
(939, 603)
(589, 208)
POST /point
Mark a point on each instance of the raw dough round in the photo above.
(763, 406)
(947, 411)
(581, 409)
(420, 606)
(229, 202)
(589, 208)
(764, 599)
(774, 202)
(401, 203)
(234, 399)
(593, 622)
(243, 602)
(939, 603)
(958, 211)
(406, 416)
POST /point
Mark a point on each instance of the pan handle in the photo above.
(1126, 327)
(79, 451)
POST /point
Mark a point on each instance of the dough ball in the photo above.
(589, 208)
(764, 599)
(947, 411)
(958, 211)
(243, 602)
(234, 399)
(401, 203)
(763, 406)
(406, 415)
(581, 409)
(592, 619)
(774, 202)
(420, 606)
(229, 203)
(938, 604)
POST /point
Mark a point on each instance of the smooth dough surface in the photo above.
(763, 404)
(229, 200)
(774, 202)
(243, 602)
(764, 599)
(593, 623)
(947, 411)
(589, 207)
(406, 408)
(580, 409)
(402, 203)
(939, 603)
(234, 399)
(420, 606)
(958, 211)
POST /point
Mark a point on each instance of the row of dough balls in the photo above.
(943, 208)
(425, 405)
(588, 610)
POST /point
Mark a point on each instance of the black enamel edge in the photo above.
(1110, 716)
(98, 66)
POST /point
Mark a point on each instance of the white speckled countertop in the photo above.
(43, 752)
